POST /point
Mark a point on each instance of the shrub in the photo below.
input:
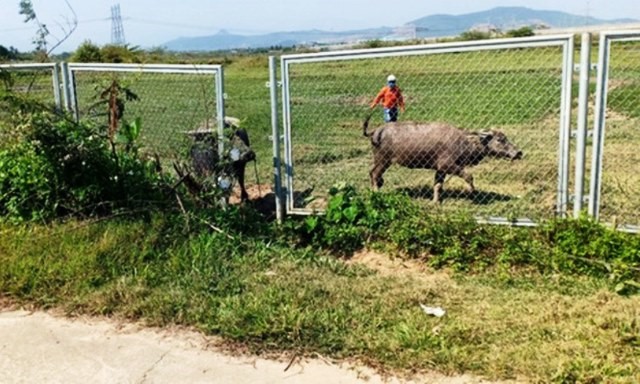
(87, 52)
(112, 53)
(572, 247)
(521, 32)
(475, 35)
(25, 189)
(61, 167)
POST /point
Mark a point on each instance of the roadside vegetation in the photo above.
(557, 303)
(89, 224)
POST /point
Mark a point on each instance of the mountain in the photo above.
(224, 40)
(503, 18)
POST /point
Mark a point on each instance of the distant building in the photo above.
(406, 32)
(485, 28)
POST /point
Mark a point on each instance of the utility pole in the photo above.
(117, 30)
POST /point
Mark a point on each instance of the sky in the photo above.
(150, 23)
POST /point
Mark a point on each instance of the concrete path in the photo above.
(37, 347)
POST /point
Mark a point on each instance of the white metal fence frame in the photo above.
(602, 86)
(284, 195)
(65, 95)
(50, 67)
(70, 91)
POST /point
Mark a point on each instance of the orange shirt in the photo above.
(390, 97)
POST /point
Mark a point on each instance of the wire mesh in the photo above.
(169, 104)
(514, 91)
(37, 81)
(619, 199)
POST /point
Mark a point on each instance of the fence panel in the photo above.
(521, 87)
(170, 100)
(615, 171)
(40, 81)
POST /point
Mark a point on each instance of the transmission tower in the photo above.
(117, 30)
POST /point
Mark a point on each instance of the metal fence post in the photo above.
(275, 132)
(72, 91)
(599, 125)
(583, 110)
(565, 130)
(56, 86)
(220, 108)
(286, 117)
(66, 86)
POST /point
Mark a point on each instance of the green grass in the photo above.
(540, 305)
(517, 91)
(37, 84)
(259, 291)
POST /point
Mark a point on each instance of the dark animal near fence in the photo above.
(207, 162)
(439, 146)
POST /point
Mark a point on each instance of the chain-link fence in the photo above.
(170, 100)
(521, 88)
(39, 81)
(615, 174)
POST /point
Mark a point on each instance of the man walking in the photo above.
(391, 97)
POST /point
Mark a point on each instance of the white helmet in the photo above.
(391, 78)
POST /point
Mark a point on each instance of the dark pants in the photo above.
(390, 114)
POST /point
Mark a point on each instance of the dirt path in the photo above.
(38, 347)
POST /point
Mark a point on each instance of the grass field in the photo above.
(506, 320)
(36, 83)
(516, 91)
(621, 165)
(554, 303)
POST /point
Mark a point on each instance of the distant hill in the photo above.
(225, 41)
(503, 18)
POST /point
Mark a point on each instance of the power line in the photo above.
(88, 21)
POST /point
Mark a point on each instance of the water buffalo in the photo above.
(206, 161)
(439, 146)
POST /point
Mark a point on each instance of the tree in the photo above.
(87, 52)
(42, 34)
(112, 53)
(475, 35)
(8, 53)
(521, 32)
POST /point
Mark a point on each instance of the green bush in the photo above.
(25, 191)
(87, 52)
(61, 167)
(352, 218)
(475, 35)
(521, 32)
(573, 247)
(112, 53)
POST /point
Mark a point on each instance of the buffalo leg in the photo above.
(438, 185)
(468, 178)
(460, 172)
(378, 169)
(239, 168)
